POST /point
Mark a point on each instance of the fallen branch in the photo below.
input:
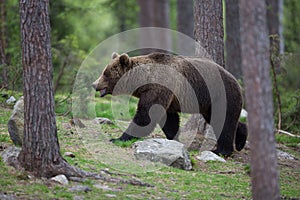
(287, 133)
(120, 180)
(117, 174)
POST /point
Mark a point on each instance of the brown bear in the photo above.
(202, 80)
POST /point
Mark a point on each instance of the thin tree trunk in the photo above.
(145, 20)
(60, 74)
(40, 151)
(281, 38)
(161, 12)
(3, 45)
(154, 13)
(273, 16)
(273, 27)
(256, 69)
(145, 13)
(233, 40)
(185, 22)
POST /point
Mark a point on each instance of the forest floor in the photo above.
(93, 152)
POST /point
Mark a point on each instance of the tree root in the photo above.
(63, 167)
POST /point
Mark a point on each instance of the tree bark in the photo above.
(3, 45)
(40, 151)
(273, 27)
(154, 13)
(273, 16)
(185, 17)
(256, 69)
(233, 41)
(185, 22)
(209, 28)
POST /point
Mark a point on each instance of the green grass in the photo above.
(5, 138)
(126, 143)
(63, 105)
(287, 140)
(103, 107)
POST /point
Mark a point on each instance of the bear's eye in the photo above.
(106, 74)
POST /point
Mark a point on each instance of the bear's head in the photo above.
(112, 73)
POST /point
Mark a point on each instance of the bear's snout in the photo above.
(94, 85)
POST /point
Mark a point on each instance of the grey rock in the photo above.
(111, 195)
(16, 123)
(80, 188)
(244, 114)
(11, 100)
(209, 156)
(77, 179)
(10, 153)
(102, 120)
(168, 152)
(61, 179)
(78, 198)
(7, 197)
(281, 155)
(69, 154)
(105, 188)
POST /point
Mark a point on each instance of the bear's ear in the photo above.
(124, 60)
(114, 55)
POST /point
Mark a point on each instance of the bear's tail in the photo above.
(241, 136)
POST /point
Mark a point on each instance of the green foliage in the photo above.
(290, 104)
(291, 22)
(288, 84)
(290, 77)
(123, 19)
(13, 49)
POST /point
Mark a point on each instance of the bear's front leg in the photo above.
(150, 110)
(140, 126)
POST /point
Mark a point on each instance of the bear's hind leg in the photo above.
(241, 136)
(171, 126)
(226, 140)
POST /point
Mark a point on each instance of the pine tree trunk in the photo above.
(185, 22)
(3, 45)
(273, 27)
(256, 70)
(209, 28)
(154, 13)
(40, 150)
(233, 40)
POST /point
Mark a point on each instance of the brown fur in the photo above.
(169, 98)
